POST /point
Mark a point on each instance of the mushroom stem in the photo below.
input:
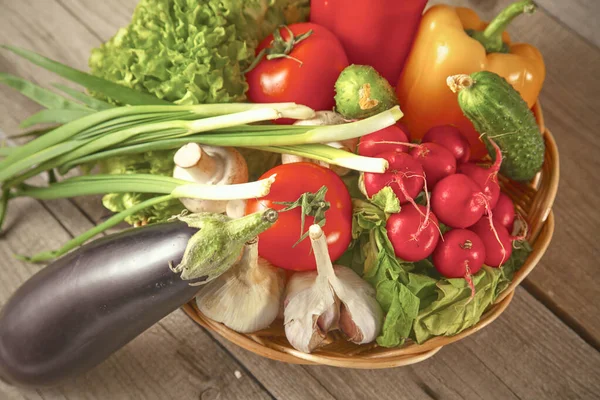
(200, 166)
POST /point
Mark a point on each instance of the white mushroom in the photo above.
(212, 166)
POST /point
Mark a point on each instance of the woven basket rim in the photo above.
(545, 186)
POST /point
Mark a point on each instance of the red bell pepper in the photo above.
(373, 32)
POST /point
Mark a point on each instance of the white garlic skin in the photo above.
(247, 297)
(308, 297)
(361, 316)
(331, 297)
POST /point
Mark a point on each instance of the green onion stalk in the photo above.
(68, 145)
(167, 188)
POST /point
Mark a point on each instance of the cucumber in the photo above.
(498, 112)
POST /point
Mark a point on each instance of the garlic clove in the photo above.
(247, 297)
(361, 316)
(331, 298)
(329, 320)
(308, 298)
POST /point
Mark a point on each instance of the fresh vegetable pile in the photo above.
(317, 204)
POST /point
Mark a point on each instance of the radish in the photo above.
(392, 138)
(405, 176)
(437, 161)
(496, 239)
(504, 212)
(486, 178)
(452, 139)
(458, 201)
(413, 236)
(404, 129)
(459, 255)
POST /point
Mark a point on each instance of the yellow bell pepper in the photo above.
(454, 40)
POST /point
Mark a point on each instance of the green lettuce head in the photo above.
(192, 51)
(186, 52)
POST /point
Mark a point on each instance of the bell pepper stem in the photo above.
(491, 37)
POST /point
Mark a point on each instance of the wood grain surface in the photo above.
(543, 347)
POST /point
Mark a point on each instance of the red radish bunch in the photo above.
(458, 201)
(392, 138)
(405, 176)
(452, 139)
(496, 239)
(486, 178)
(437, 161)
(504, 212)
(460, 254)
(413, 236)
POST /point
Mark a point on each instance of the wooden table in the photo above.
(545, 346)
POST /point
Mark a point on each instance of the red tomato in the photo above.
(275, 244)
(309, 82)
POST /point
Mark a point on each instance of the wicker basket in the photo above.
(533, 200)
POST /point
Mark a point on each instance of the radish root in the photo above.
(469, 279)
(486, 203)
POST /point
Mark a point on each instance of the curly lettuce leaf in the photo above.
(153, 162)
(187, 52)
(192, 51)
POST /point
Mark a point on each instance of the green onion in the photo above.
(98, 229)
(36, 151)
(142, 183)
(332, 156)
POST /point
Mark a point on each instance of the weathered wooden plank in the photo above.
(579, 15)
(525, 354)
(104, 18)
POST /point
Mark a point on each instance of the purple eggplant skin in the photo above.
(77, 311)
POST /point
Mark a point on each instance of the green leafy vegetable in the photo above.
(453, 311)
(155, 163)
(190, 51)
(418, 303)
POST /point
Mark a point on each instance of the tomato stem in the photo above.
(312, 205)
(279, 47)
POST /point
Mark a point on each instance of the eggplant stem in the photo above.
(84, 237)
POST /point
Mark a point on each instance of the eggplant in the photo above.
(77, 311)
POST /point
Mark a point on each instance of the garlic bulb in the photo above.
(330, 298)
(247, 297)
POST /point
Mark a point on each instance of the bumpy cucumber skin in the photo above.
(348, 92)
(499, 112)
